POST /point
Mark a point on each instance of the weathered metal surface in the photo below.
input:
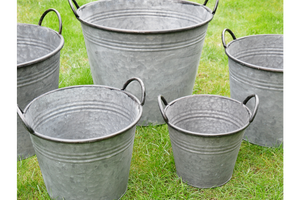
(206, 133)
(158, 41)
(38, 60)
(83, 137)
(256, 66)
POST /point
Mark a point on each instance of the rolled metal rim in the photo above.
(249, 64)
(90, 139)
(207, 134)
(58, 48)
(148, 31)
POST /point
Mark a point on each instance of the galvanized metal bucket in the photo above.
(159, 41)
(256, 66)
(83, 138)
(206, 133)
(38, 60)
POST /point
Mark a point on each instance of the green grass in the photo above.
(258, 172)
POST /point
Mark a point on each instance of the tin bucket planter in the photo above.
(83, 138)
(38, 61)
(206, 133)
(158, 41)
(256, 66)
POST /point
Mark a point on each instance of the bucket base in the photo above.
(202, 186)
(123, 193)
(264, 145)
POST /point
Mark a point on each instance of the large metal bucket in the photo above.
(38, 63)
(159, 41)
(83, 138)
(256, 66)
(206, 133)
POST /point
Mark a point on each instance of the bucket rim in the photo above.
(208, 134)
(40, 59)
(148, 31)
(89, 140)
(249, 64)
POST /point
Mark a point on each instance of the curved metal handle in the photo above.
(215, 8)
(72, 7)
(223, 36)
(21, 115)
(161, 98)
(256, 105)
(142, 87)
(58, 15)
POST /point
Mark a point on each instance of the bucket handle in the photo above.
(142, 87)
(72, 7)
(21, 115)
(58, 15)
(256, 105)
(223, 36)
(215, 8)
(161, 98)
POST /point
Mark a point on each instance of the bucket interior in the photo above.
(260, 50)
(82, 113)
(144, 15)
(34, 42)
(206, 114)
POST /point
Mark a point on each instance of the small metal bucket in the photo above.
(159, 41)
(83, 138)
(38, 63)
(206, 133)
(256, 66)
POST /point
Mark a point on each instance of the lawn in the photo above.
(258, 173)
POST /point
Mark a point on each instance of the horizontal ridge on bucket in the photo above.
(34, 50)
(143, 46)
(28, 79)
(207, 115)
(83, 157)
(256, 82)
(63, 111)
(141, 13)
(205, 150)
